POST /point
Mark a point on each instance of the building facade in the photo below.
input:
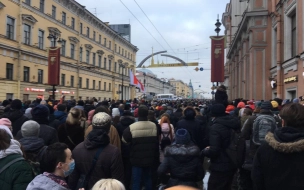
(94, 57)
(264, 46)
(181, 89)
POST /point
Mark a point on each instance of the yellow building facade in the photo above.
(181, 89)
(95, 60)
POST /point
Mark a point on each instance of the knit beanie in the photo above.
(241, 105)
(218, 110)
(182, 136)
(28, 113)
(266, 105)
(40, 111)
(274, 104)
(30, 129)
(102, 120)
(6, 122)
(16, 104)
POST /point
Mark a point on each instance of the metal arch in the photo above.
(144, 60)
(178, 59)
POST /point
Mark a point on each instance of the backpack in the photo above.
(261, 126)
(166, 141)
(236, 148)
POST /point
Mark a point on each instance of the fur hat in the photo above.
(16, 104)
(30, 129)
(102, 120)
(182, 136)
(218, 110)
(266, 105)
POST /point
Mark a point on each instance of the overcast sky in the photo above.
(185, 26)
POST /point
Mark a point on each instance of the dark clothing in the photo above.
(220, 180)
(178, 115)
(183, 164)
(219, 139)
(221, 97)
(108, 165)
(47, 133)
(17, 118)
(75, 133)
(125, 122)
(87, 108)
(33, 148)
(61, 116)
(278, 163)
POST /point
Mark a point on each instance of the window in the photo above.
(63, 47)
(72, 50)
(80, 28)
(41, 6)
(53, 11)
(99, 85)
(40, 39)
(115, 67)
(119, 50)
(87, 83)
(28, 2)
(63, 18)
(9, 71)
(27, 34)
(62, 79)
(94, 84)
(26, 74)
(105, 42)
(104, 86)
(72, 81)
(80, 82)
(115, 47)
(87, 56)
(110, 63)
(94, 35)
(110, 45)
(94, 59)
(131, 57)
(105, 63)
(100, 39)
(110, 87)
(88, 32)
(73, 23)
(293, 35)
(40, 76)
(99, 61)
(80, 54)
(10, 28)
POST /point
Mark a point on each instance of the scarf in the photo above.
(60, 180)
(14, 148)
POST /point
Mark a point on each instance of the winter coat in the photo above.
(183, 164)
(108, 165)
(75, 133)
(219, 139)
(87, 108)
(19, 174)
(33, 148)
(43, 182)
(278, 163)
(143, 139)
(61, 116)
(79, 107)
(47, 133)
(221, 97)
(17, 118)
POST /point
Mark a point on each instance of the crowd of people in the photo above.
(159, 144)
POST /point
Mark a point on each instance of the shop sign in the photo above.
(291, 79)
(67, 92)
(35, 89)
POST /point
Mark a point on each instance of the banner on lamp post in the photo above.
(54, 66)
(217, 58)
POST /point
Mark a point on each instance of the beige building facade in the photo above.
(181, 89)
(264, 46)
(94, 58)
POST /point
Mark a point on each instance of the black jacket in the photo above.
(125, 122)
(278, 163)
(221, 97)
(183, 164)
(17, 118)
(75, 132)
(33, 147)
(219, 139)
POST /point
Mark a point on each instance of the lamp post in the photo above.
(53, 38)
(144, 84)
(122, 79)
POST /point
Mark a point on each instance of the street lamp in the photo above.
(53, 38)
(144, 84)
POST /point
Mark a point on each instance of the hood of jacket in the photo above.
(286, 140)
(182, 153)
(32, 144)
(14, 148)
(13, 115)
(127, 120)
(228, 121)
(43, 182)
(97, 138)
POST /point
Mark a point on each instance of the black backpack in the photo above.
(236, 149)
(166, 141)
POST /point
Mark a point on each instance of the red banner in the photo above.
(54, 66)
(217, 58)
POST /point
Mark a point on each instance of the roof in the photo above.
(147, 71)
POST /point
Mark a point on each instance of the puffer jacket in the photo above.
(17, 118)
(183, 164)
(219, 139)
(42, 182)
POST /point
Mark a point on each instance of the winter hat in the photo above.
(30, 129)
(241, 105)
(286, 101)
(6, 122)
(296, 100)
(229, 108)
(115, 112)
(28, 113)
(16, 104)
(274, 104)
(218, 110)
(8, 131)
(40, 111)
(102, 120)
(5, 103)
(182, 136)
(266, 106)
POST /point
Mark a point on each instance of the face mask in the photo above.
(71, 169)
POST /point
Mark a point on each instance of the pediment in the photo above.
(29, 18)
(73, 39)
(100, 52)
(1, 5)
(88, 46)
(54, 30)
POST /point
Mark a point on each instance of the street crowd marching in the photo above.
(160, 144)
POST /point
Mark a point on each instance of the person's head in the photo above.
(80, 103)
(121, 106)
(102, 120)
(62, 107)
(16, 104)
(218, 110)
(189, 113)
(58, 160)
(266, 106)
(247, 112)
(74, 116)
(101, 109)
(151, 115)
(30, 129)
(40, 112)
(6, 122)
(292, 115)
(274, 104)
(143, 112)
(108, 184)
(164, 119)
(182, 136)
(5, 139)
(43, 102)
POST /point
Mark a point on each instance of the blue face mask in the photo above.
(71, 169)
